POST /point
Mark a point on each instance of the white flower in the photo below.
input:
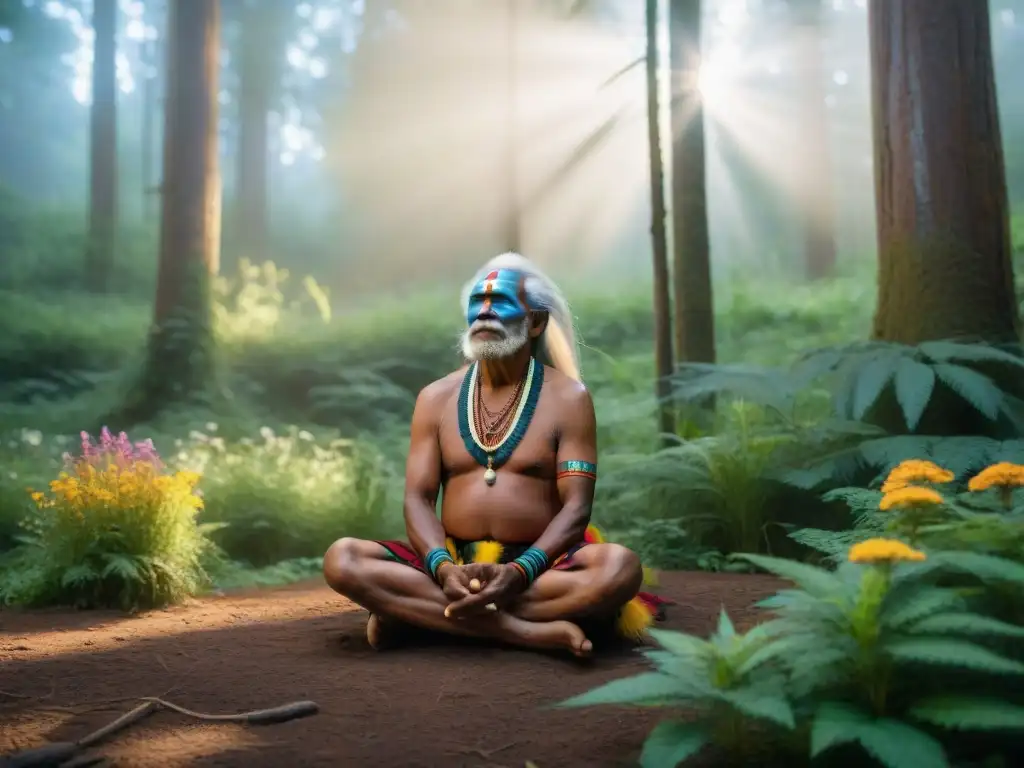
(266, 433)
(211, 426)
(307, 436)
(12, 475)
(32, 436)
(182, 456)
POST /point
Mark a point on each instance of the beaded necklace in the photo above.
(493, 455)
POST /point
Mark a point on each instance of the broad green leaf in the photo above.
(976, 388)
(969, 714)
(682, 644)
(671, 742)
(817, 581)
(769, 706)
(952, 350)
(962, 454)
(892, 743)
(834, 724)
(871, 380)
(725, 627)
(78, 574)
(911, 605)
(981, 566)
(643, 689)
(915, 383)
(966, 624)
(952, 653)
(898, 745)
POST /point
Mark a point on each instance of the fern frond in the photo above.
(952, 351)
(871, 382)
(965, 624)
(915, 383)
(952, 653)
(963, 713)
(768, 387)
(893, 743)
(976, 388)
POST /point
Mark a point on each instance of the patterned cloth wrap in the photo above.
(634, 618)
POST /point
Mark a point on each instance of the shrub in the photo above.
(726, 489)
(114, 528)
(924, 503)
(884, 655)
(285, 496)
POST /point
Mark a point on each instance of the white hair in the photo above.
(556, 346)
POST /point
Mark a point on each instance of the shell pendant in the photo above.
(490, 476)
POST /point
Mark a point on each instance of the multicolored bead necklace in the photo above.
(491, 445)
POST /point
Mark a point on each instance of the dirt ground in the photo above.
(64, 674)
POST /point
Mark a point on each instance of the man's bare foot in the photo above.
(381, 632)
(559, 635)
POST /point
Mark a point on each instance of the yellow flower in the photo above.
(916, 471)
(883, 551)
(1001, 475)
(909, 496)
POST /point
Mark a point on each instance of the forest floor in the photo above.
(65, 674)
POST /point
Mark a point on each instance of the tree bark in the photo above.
(659, 237)
(692, 293)
(259, 48)
(943, 223)
(817, 207)
(180, 359)
(101, 241)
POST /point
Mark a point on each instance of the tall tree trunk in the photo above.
(99, 256)
(659, 237)
(149, 97)
(512, 212)
(817, 206)
(180, 354)
(943, 227)
(694, 303)
(259, 48)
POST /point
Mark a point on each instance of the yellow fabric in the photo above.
(487, 552)
(634, 619)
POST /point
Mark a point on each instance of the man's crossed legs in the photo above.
(602, 578)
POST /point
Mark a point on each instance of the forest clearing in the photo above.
(261, 649)
(503, 323)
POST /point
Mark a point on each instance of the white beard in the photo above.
(513, 338)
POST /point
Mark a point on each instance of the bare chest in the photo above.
(534, 455)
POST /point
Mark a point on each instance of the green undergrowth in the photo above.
(346, 379)
(333, 387)
(903, 651)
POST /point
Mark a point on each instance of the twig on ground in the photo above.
(24, 697)
(60, 752)
(485, 754)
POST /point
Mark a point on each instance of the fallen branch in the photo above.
(59, 753)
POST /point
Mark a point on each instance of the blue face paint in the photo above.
(500, 293)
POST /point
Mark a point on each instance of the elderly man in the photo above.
(511, 440)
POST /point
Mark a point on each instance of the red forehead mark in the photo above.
(492, 275)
